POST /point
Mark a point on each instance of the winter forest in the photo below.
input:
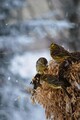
(27, 28)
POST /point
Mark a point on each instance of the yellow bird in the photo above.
(58, 53)
(53, 82)
(41, 65)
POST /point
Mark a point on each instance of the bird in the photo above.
(41, 65)
(53, 82)
(58, 53)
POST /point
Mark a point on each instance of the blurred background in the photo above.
(27, 27)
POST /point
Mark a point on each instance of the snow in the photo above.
(17, 103)
(24, 65)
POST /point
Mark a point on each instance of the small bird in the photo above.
(53, 82)
(58, 53)
(41, 65)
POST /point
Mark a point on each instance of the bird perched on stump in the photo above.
(58, 53)
(41, 65)
(52, 81)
